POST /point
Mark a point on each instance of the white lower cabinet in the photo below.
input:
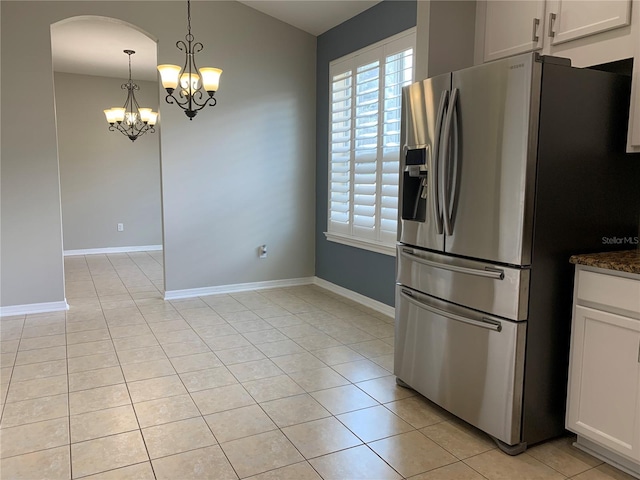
(603, 403)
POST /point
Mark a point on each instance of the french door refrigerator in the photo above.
(507, 169)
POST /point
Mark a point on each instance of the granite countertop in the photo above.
(622, 261)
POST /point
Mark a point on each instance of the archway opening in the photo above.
(109, 186)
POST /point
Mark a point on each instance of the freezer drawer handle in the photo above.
(487, 323)
(488, 272)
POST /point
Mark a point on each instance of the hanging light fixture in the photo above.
(131, 120)
(190, 98)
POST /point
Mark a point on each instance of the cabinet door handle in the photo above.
(536, 23)
(638, 352)
(552, 19)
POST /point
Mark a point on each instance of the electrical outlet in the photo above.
(121, 227)
(262, 251)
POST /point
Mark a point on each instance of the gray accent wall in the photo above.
(105, 179)
(368, 273)
(239, 175)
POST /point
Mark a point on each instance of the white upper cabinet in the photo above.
(569, 20)
(589, 32)
(513, 27)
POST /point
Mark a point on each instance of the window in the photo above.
(364, 143)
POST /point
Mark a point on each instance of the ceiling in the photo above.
(91, 45)
(312, 16)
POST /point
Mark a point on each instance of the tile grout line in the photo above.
(126, 383)
(13, 367)
(68, 379)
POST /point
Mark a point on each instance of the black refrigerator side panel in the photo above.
(587, 189)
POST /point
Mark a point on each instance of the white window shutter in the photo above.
(340, 153)
(398, 73)
(364, 143)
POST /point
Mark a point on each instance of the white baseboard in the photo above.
(356, 297)
(594, 449)
(102, 251)
(32, 308)
(292, 282)
(238, 287)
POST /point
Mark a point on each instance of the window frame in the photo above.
(377, 51)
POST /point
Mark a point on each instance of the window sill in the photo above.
(372, 246)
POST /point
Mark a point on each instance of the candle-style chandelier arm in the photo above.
(135, 133)
(186, 105)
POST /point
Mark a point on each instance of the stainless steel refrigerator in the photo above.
(506, 170)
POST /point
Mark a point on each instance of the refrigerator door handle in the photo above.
(487, 323)
(453, 184)
(445, 180)
(435, 195)
(489, 272)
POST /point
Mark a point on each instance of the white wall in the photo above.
(105, 179)
(239, 175)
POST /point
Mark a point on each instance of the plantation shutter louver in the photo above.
(340, 182)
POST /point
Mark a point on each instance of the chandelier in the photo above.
(190, 97)
(131, 120)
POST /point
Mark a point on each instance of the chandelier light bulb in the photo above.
(111, 116)
(190, 83)
(145, 114)
(118, 114)
(131, 118)
(153, 118)
(169, 75)
(210, 78)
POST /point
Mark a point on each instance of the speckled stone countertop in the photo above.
(622, 261)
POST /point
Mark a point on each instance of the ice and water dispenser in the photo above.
(415, 184)
(416, 152)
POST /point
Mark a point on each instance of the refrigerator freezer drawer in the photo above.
(470, 364)
(496, 289)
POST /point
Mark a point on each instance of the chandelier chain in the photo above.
(129, 67)
(189, 17)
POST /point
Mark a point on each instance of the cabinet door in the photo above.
(571, 19)
(513, 27)
(604, 380)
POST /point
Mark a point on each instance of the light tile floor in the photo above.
(289, 383)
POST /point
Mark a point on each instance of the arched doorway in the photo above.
(109, 186)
